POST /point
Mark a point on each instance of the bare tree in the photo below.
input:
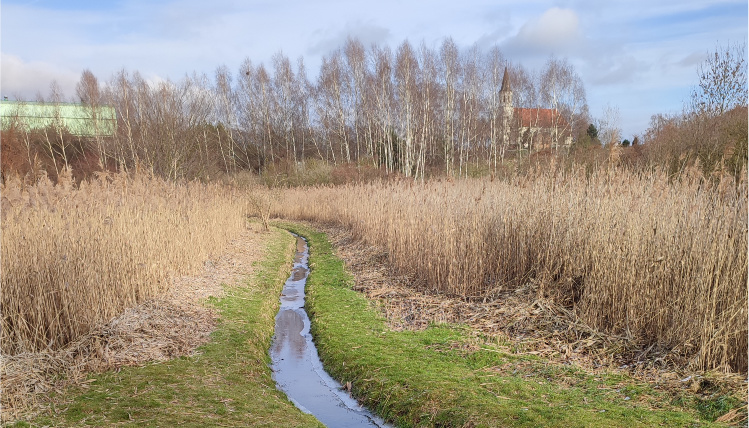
(90, 95)
(495, 64)
(88, 90)
(198, 111)
(526, 97)
(428, 90)
(121, 92)
(450, 67)
(406, 72)
(16, 121)
(332, 92)
(357, 73)
(304, 95)
(267, 105)
(56, 143)
(722, 81)
(287, 88)
(385, 102)
(609, 131)
(226, 116)
(403, 111)
(469, 108)
(250, 115)
(562, 90)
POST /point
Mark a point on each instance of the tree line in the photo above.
(412, 110)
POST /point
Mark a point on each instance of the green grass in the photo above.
(447, 376)
(228, 383)
(443, 376)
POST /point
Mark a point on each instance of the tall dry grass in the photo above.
(73, 257)
(659, 263)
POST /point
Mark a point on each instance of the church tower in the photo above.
(505, 99)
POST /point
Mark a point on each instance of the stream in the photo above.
(296, 366)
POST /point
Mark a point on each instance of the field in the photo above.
(660, 264)
(74, 257)
(472, 212)
(656, 264)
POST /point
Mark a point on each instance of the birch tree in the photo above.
(469, 108)
(406, 71)
(226, 117)
(250, 116)
(496, 65)
(332, 93)
(286, 88)
(562, 90)
(428, 90)
(525, 91)
(262, 86)
(304, 94)
(357, 73)
(609, 132)
(450, 68)
(385, 102)
(121, 92)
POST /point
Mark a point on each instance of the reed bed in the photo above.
(658, 263)
(74, 257)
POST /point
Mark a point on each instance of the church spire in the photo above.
(505, 100)
(506, 82)
(505, 94)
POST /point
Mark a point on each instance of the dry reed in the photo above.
(75, 257)
(660, 264)
(165, 327)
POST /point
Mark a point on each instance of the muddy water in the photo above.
(296, 366)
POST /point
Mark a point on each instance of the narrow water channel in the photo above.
(297, 368)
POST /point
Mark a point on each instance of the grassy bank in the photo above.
(446, 376)
(227, 383)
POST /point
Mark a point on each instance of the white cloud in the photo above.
(555, 30)
(639, 54)
(367, 33)
(693, 59)
(23, 80)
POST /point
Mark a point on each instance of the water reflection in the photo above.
(296, 366)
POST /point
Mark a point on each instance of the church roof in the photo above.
(539, 118)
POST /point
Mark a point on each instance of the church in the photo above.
(531, 129)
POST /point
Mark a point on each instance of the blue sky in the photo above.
(638, 56)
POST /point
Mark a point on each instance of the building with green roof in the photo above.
(78, 119)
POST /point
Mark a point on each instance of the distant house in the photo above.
(78, 119)
(532, 129)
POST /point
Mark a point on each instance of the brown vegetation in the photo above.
(715, 144)
(75, 257)
(660, 264)
(522, 322)
(165, 327)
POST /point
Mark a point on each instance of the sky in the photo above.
(636, 57)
